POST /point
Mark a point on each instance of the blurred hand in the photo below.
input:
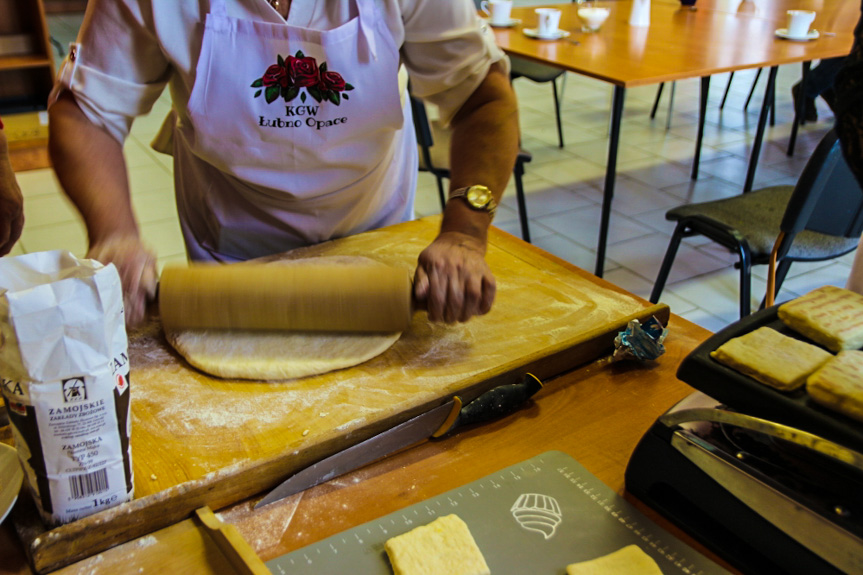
(11, 206)
(453, 279)
(137, 268)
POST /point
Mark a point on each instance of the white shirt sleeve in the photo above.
(116, 70)
(447, 50)
(128, 50)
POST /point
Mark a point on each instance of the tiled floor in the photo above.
(564, 185)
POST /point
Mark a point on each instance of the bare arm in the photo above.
(11, 202)
(452, 277)
(92, 171)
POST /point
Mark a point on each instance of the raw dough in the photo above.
(271, 355)
(443, 547)
(630, 560)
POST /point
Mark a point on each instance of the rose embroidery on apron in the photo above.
(300, 74)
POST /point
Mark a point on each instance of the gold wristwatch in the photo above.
(478, 198)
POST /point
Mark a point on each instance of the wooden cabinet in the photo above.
(26, 62)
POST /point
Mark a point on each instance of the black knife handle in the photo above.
(497, 402)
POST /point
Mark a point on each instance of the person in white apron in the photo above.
(291, 136)
(11, 200)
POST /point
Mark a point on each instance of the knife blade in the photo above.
(436, 422)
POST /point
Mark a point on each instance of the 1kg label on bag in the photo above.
(65, 372)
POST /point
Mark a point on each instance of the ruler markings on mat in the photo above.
(533, 517)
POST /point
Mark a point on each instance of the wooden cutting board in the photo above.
(198, 440)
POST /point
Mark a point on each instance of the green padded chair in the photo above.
(539, 73)
(818, 219)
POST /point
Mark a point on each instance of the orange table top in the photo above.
(680, 43)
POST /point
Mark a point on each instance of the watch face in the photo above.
(479, 196)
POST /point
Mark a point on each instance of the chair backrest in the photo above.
(827, 199)
(423, 131)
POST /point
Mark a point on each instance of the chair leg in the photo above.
(773, 106)
(522, 205)
(440, 192)
(656, 101)
(727, 88)
(752, 89)
(745, 282)
(557, 113)
(670, 106)
(799, 113)
(781, 271)
(667, 262)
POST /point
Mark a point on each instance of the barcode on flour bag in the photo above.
(64, 369)
(89, 484)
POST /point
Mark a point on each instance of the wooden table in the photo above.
(596, 414)
(679, 43)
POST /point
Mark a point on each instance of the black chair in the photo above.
(818, 219)
(539, 73)
(433, 145)
(721, 104)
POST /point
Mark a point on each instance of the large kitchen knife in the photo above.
(497, 402)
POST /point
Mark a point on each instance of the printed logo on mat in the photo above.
(537, 512)
(300, 76)
(74, 389)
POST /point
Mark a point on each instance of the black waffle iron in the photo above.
(770, 481)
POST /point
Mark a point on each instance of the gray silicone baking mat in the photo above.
(535, 517)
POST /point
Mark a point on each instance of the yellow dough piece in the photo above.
(772, 358)
(630, 560)
(838, 385)
(829, 315)
(443, 547)
(279, 355)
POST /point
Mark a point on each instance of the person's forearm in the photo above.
(483, 149)
(11, 201)
(92, 171)
(5, 166)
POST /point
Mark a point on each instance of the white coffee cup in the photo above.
(549, 19)
(799, 22)
(498, 11)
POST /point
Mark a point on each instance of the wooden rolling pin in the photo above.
(303, 297)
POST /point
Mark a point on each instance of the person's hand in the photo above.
(453, 279)
(137, 268)
(11, 207)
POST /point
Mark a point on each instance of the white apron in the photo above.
(297, 136)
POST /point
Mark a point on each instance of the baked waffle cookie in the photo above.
(829, 315)
(838, 384)
(772, 358)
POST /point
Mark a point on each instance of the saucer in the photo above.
(534, 33)
(812, 35)
(508, 24)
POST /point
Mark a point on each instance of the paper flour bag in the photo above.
(64, 369)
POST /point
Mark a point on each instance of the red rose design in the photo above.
(276, 76)
(332, 81)
(303, 71)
